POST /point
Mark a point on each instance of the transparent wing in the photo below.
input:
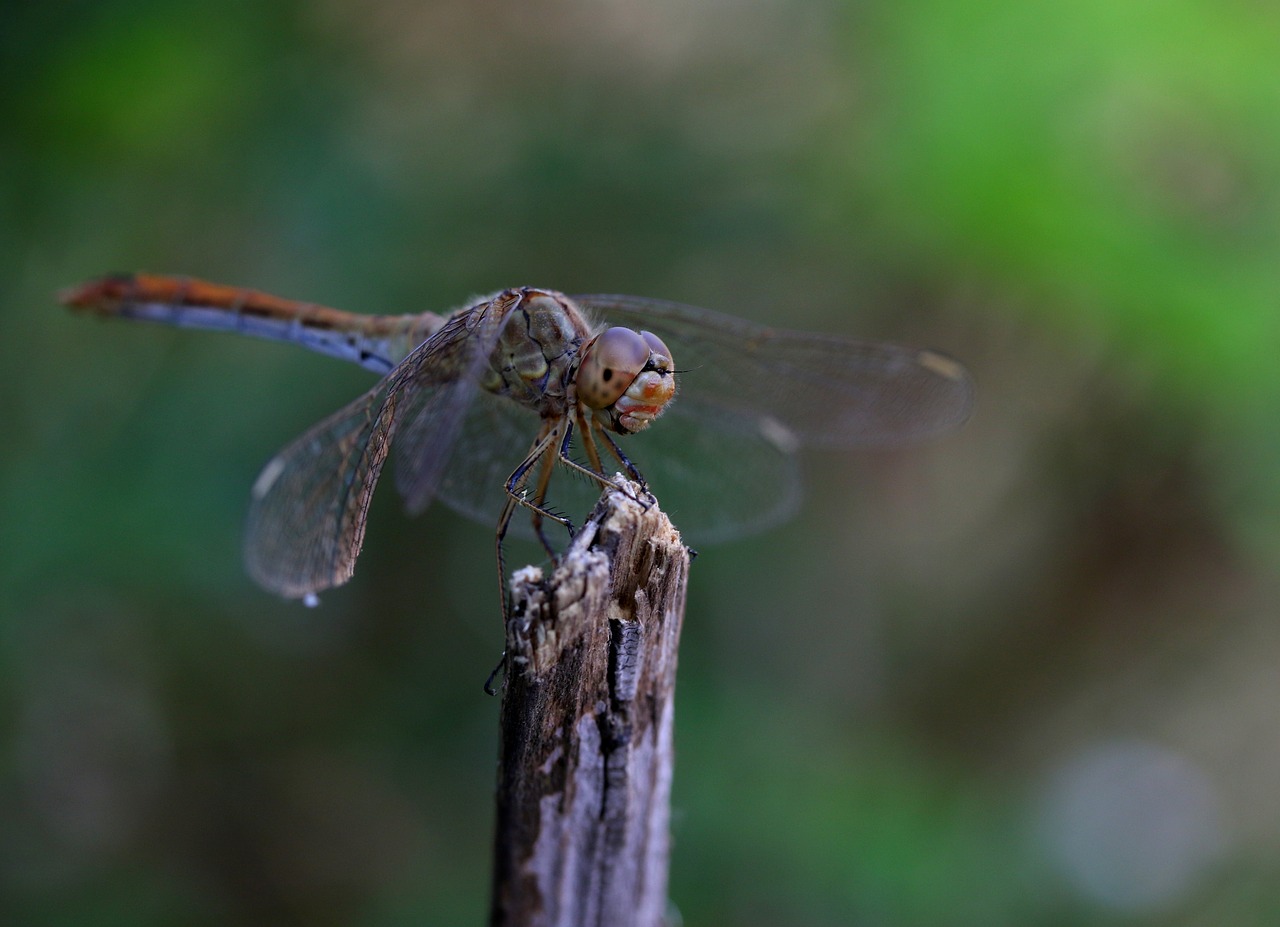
(446, 382)
(310, 504)
(826, 390)
(716, 483)
(494, 438)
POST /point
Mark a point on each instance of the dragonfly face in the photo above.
(525, 378)
(627, 377)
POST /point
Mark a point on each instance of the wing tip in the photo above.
(952, 371)
(943, 365)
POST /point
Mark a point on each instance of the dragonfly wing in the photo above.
(446, 382)
(310, 504)
(826, 390)
(718, 483)
(494, 437)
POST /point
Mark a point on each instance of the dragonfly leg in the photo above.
(539, 501)
(499, 536)
(632, 470)
(500, 668)
(589, 444)
(593, 453)
(515, 490)
(597, 476)
(518, 495)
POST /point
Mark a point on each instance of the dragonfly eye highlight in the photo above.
(610, 363)
(656, 346)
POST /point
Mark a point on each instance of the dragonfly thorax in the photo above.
(533, 360)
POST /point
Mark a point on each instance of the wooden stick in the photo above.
(584, 778)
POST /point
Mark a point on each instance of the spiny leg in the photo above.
(501, 667)
(503, 521)
(514, 485)
(627, 465)
(516, 495)
(547, 467)
(593, 453)
(597, 476)
(589, 443)
(632, 470)
(589, 430)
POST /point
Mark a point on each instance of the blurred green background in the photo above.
(1029, 674)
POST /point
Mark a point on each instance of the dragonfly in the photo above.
(481, 406)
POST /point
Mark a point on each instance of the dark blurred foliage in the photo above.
(1026, 675)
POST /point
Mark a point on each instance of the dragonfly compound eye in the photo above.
(659, 349)
(610, 363)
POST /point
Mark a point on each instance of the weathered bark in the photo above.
(584, 777)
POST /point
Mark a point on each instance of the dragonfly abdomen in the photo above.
(377, 342)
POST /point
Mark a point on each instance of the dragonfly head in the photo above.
(627, 377)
